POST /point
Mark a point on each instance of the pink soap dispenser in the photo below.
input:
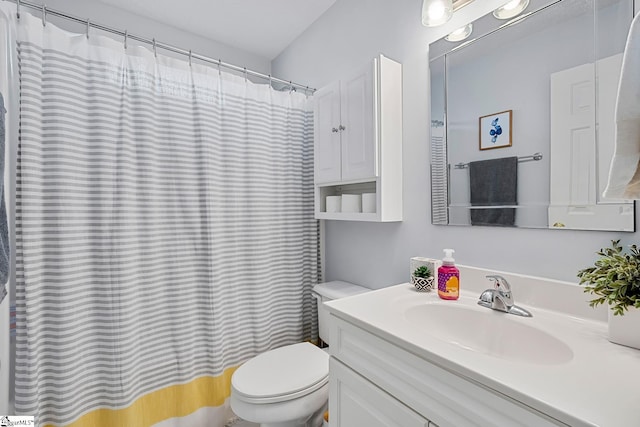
(448, 277)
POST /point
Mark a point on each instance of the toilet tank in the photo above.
(329, 291)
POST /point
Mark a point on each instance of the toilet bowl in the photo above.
(289, 386)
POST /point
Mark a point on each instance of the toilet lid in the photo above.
(282, 374)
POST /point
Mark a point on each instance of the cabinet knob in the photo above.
(341, 127)
(334, 130)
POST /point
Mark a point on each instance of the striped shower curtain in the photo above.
(164, 231)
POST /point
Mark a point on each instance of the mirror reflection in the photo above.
(522, 118)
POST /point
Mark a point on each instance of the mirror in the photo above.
(522, 118)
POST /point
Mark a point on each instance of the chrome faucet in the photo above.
(501, 298)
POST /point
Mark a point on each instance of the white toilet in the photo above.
(289, 386)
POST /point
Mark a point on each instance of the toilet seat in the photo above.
(282, 374)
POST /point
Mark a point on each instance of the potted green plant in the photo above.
(615, 280)
(422, 278)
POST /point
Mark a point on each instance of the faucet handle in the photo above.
(500, 283)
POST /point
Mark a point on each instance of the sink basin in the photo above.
(490, 332)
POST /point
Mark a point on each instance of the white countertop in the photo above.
(598, 386)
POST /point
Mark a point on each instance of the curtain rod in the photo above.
(531, 158)
(156, 44)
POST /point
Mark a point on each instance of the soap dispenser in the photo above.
(448, 277)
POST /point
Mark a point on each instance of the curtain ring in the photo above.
(270, 82)
(126, 35)
(155, 51)
(291, 89)
(18, 9)
(44, 15)
(219, 67)
(245, 74)
(88, 26)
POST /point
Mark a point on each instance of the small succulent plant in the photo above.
(422, 271)
(614, 279)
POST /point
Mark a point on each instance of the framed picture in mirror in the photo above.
(495, 130)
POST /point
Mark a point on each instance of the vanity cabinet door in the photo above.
(429, 390)
(354, 401)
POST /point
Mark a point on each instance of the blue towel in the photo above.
(4, 229)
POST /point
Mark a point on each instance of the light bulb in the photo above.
(511, 5)
(511, 9)
(460, 34)
(436, 12)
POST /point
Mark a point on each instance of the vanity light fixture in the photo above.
(436, 12)
(511, 9)
(460, 34)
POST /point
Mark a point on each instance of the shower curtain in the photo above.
(164, 230)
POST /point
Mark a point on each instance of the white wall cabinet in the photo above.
(345, 137)
(327, 143)
(358, 141)
(386, 385)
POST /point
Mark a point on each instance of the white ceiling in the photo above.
(262, 27)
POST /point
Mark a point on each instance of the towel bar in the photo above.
(531, 158)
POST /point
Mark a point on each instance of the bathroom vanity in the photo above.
(406, 358)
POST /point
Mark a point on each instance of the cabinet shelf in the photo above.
(348, 216)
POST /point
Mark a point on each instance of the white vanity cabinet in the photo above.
(358, 402)
(358, 141)
(375, 382)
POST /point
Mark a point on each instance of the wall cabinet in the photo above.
(386, 385)
(358, 141)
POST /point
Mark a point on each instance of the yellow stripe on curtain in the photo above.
(175, 401)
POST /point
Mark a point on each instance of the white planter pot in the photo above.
(422, 283)
(625, 329)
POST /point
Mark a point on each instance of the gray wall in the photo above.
(104, 14)
(377, 255)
